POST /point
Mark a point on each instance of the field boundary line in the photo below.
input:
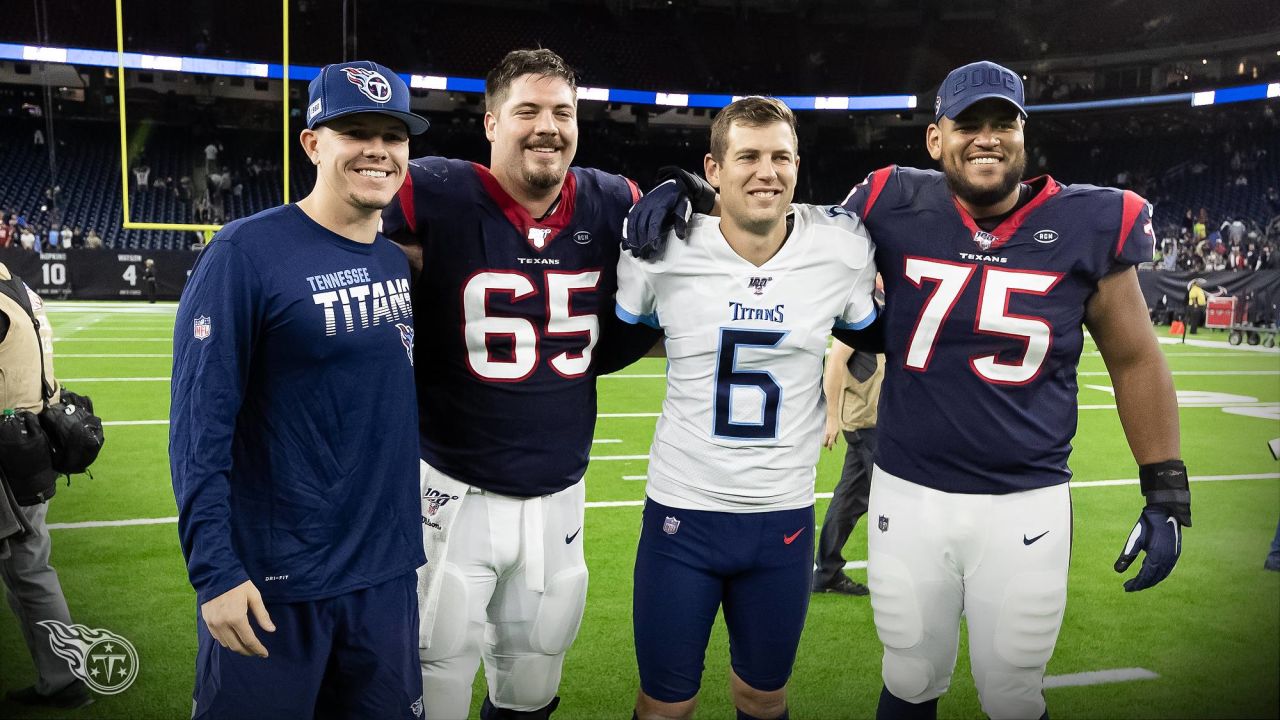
(638, 503)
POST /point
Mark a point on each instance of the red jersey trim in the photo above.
(1133, 204)
(405, 195)
(521, 219)
(1013, 223)
(635, 190)
(879, 179)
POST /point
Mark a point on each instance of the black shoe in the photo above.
(1272, 563)
(842, 585)
(76, 695)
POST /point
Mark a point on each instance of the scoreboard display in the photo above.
(100, 274)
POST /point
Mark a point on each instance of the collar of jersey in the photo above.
(557, 220)
(796, 225)
(1044, 188)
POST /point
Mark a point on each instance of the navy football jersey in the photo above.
(509, 308)
(986, 327)
(292, 466)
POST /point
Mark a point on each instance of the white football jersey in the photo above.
(741, 426)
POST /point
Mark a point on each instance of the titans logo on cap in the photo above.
(371, 83)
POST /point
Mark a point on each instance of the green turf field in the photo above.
(1210, 633)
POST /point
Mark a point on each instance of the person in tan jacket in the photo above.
(851, 409)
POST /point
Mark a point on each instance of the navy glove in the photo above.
(1160, 535)
(1159, 528)
(667, 207)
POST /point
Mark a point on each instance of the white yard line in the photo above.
(1098, 677)
(110, 355)
(109, 339)
(1220, 344)
(162, 378)
(109, 423)
(638, 503)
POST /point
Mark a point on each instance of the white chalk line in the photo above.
(638, 503)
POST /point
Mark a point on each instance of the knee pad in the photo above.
(894, 603)
(529, 684)
(559, 612)
(1030, 618)
(908, 677)
(1015, 695)
(447, 634)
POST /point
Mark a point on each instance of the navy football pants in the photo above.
(758, 566)
(350, 656)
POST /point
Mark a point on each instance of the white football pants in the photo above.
(513, 592)
(999, 560)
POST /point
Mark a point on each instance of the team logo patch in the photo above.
(582, 237)
(416, 707)
(406, 339)
(985, 239)
(202, 327)
(883, 524)
(538, 236)
(1046, 236)
(670, 525)
(757, 285)
(370, 82)
(107, 662)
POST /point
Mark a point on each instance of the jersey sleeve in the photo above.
(402, 220)
(636, 301)
(213, 342)
(862, 199)
(860, 307)
(1136, 242)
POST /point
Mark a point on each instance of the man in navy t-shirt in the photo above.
(292, 439)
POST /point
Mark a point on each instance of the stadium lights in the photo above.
(237, 68)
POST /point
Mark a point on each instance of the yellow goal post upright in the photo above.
(207, 229)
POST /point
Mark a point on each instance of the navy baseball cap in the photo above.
(967, 85)
(357, 87)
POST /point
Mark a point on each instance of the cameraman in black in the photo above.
(31, 583)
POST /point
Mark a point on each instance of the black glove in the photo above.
(666, 207)
(1159, 528)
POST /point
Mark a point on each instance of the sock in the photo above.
(786, 715)
(895, 708)
(489, 711)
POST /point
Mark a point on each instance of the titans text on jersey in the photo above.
(741, 424)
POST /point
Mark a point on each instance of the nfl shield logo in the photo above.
(203, 326)
(984, 239)
(670, 526)
(884, 524)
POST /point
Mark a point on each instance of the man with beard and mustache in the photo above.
(516, 270)
(988, 282)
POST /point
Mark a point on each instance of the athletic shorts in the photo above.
(350, 656)
(689, 564)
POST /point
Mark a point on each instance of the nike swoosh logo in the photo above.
(1177, 536)
(788, 539)
(569, 538)
(1025, 541)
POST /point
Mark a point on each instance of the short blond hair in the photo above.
(753, 111)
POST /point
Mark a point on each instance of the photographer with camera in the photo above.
(38, 440)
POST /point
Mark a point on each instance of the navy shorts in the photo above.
(758, 566)
(350, 656)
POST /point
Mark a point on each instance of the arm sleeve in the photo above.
(222, 302)
(637, 303)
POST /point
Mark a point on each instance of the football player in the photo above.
(516, 269)
(295, 492)
(989, 281)
(746, 306)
